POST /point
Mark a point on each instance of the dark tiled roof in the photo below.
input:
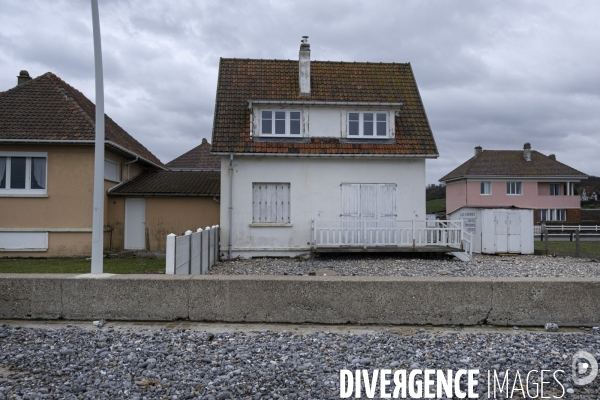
(171, 183)
(512, 163)
(243, 80)
(197, 158)
(48, 108)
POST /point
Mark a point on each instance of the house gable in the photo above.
(49, 110)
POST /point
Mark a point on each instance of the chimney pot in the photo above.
(527, 151)
(552, 157)
(478, 150)
(23, 77)
(304, 67)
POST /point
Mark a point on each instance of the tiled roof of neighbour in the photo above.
(48, 108)
(242, 80)
(171, 183)
(512, 163)
(197, 158)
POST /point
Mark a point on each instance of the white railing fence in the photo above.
(567, 229)
(467, 243)
(365, 233)
(193, 253)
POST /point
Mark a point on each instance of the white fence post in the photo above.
(170, 254)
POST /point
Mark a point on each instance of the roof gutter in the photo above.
(330, 155)
(82, 142)
(549, 177)
(163, 194)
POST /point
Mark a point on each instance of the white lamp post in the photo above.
(98, 214)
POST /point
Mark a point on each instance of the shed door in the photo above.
(135, 224)
(514, 232)
(500, 222)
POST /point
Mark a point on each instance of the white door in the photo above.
(514, 232)
(500, 222)
(135, 224)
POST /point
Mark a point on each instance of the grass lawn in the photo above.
(81, 265)
(569, 247)
(436, 205)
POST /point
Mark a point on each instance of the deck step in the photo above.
(461, 256)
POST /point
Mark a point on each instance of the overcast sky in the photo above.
(495, 74)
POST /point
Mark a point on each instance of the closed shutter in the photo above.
(350, 201)
(369, 201)
(271, 203)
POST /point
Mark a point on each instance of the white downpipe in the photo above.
(229, 234)
(98, 205)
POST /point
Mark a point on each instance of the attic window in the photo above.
(279, 123)
(368, 124)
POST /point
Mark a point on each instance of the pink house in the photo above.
(521, 179)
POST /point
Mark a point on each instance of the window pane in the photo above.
(280, 122)
(17, 172)
(294, 127)
(38, 173)
(2, 172)
(508, 188)
(518, 187)
(267, 122)
(368, 124)
(381, 124)
(111, 171)
(353, 124)
(294, 123)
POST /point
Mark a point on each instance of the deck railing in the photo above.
(402, 233)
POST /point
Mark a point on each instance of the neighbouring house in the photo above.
(500, 194)
(47, 167)
(146, 209)
(319, 156)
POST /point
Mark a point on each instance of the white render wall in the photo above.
(315, 192)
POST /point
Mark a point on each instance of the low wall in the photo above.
(306, 299)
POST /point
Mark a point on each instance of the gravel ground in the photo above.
(395, 265)
(183, 364)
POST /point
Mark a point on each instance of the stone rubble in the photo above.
(73, 363)
(398, 265)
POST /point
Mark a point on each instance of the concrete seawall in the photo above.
(306, 299)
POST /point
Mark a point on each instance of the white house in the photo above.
(310, 147)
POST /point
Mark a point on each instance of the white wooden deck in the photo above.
(390, 236)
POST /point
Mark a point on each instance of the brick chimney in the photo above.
(23, 77)
(304, 68)
(552, 157)
(478, 150)
(527, 151)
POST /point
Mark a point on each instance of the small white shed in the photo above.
(498, 230)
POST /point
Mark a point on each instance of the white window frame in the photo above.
(482, 187)
(28, 191)
(116, 164)
(552, 214)
(361, 125)
(257, 221)
(555, 189)
(516, 190)
(287, 123)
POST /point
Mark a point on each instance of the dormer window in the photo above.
(368, 124)
(281, 123)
